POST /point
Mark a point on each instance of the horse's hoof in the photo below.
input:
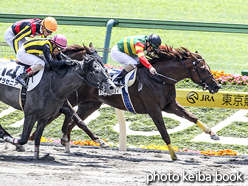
(174, 157)
(20, 148)
(63, 142)
(67, 148)
(215, 137)
(102, 143)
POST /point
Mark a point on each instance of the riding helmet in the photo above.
(59, 40)
(154, 40)
(50, 24)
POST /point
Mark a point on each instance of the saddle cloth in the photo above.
(9, 70)
(123, 91)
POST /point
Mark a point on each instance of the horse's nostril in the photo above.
(111, 87)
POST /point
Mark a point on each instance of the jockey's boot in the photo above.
(22, 77)
(118, 80)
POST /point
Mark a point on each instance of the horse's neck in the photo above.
(173, 69)
(61, 87)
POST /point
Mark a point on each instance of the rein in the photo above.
(51, 89)
(166, 77)
(99, 83)
(202, 81)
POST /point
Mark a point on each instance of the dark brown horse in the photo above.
(153, 94)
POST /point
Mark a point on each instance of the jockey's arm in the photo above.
(52, 62)
(26, 32)
(141, 55)
(59, 56)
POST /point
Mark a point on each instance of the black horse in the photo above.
(78, 52)
(45, 100)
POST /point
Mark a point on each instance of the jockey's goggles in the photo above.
(153, 45)
(59, 48)
(48, 31)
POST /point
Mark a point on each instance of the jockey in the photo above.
(38, 52)
(16, 34)
(129, 51)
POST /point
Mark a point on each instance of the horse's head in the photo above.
(95, 74)
(94, 66)
(92, 52)
(200, 73)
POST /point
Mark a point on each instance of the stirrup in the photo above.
(22, 82)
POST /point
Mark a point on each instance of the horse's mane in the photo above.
(76, 51)
(74, 48)
(166, 53)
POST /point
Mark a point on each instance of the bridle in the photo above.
(99, 83)
(202, 82)
(195, 69)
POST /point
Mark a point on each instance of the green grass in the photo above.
(3, 106)
(222, 51)
(145, 123)
(235, 129)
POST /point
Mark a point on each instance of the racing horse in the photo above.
(78, 52)
(47, 98)
(153, 94)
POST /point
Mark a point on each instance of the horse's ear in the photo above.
(88, 50)
(91, 45)
(196, 52)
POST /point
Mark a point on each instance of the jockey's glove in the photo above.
(152, 70)
(69, 62)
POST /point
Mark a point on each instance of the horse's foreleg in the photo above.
(159, 122)
(84, 110)
(40, 128)
(31, 137)
(68, 111)
(177, 109)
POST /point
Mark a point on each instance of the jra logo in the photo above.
(192, 97)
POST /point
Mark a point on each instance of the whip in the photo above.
(157, 74)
